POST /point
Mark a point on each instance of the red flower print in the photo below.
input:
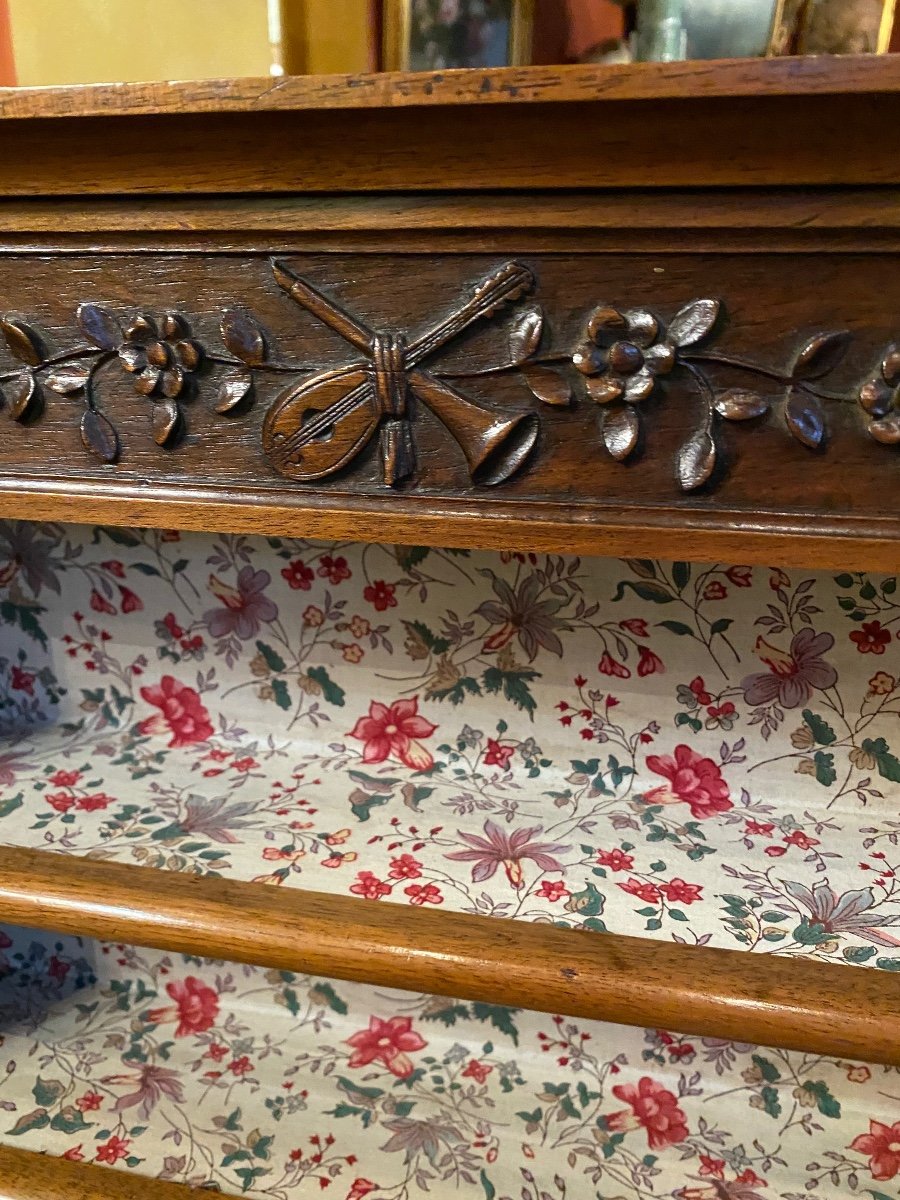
(100, 604)
(391, 733)
(776, 851)
(94, 803)
(649, 663)
(75, 1153)
(655, 1109)
(241, 1066)
(478, 1071)
(758, 829)
(58, 969)
(111, 1151)
(615, 860)
(712, 1166)
(722, 710)
(381, 595)
(405, 867)
(497, 755)
(800, 839)
(172, 626)
(740, 576)
(779, 579)
(22, 681)
(196, 1007)
(715, 591)
(64, 778)
(872, 638)
(428, 893)
(352, 653)
(635, 625)
(89, 1102)
(388, 1043)
(693, 780)
(182, 713)
(313, 616)
(61, 801)
(360, 1188)
(552, 890)
(608, 666)
(334, 569)
(676, 891)
(114, 567)
(644, 891)
(298, 575)
(369, 886)
(130, 602)
(216, 1051)
(698, 687)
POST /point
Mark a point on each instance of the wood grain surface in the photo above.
(804, 76)
(793, 1003)
(772, 497)
(25, 1175)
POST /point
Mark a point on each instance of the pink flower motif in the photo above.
(478, 1071)
(615, 860)
(64, 778)
(111, 1151)
(130, 601)
(676, 891)
(22, 681)
(648, 892)
(552, 890)
(298, 575)
(369, 886)
(498, 755)
(196, 1007)
(609, 666)
(334, 569)
(636, 625)
(693, 780)
(182, 713)
(499, 848)
(100, 604)
(428, 893)
(386, 1042)
(649, 663)
(405, 867)
(392, 733)
(75, 1153)
(652, 1107)
(360, 1188)
(741, 577)
(882, 1146)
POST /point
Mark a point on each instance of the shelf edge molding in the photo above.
(26, 1175)
(771, 1000)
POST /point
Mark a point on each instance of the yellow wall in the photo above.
(325, 36)
(106, 41)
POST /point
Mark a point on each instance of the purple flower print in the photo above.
(499, 848)
(849, 913)
(246, 607)
(792, 676)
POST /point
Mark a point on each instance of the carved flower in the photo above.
(880, 398)
(625, 352)
(163, 357)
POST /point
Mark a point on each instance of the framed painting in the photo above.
(438, 35)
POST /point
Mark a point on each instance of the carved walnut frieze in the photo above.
(323, 419)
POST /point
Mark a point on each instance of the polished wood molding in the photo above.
(25, 1175)
(793, 1003)
(750, 77)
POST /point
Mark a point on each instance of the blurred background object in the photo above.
(436, 35)
(834, 27)
(669, 30)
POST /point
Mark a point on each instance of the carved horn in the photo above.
(495, 445)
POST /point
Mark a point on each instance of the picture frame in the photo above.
(833, 27)
(437, 35)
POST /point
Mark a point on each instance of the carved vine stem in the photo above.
(325, 417)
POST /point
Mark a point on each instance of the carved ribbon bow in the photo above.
(312, 432)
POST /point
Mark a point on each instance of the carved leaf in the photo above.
(233, 393)
(548, 385)
(69, 378)
(739, 405)
(99, 436)
(166, 422)
(621, 428)
(25, 397)
(99, 326)
(525, 334)
(886, 431)
(693, 322)
(244, 338)
(696, 460)
(821, 354)
(22, 341)
(805, 419)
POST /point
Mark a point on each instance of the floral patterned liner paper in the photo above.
(700, 754)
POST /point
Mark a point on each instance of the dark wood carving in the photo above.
(327, 415)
